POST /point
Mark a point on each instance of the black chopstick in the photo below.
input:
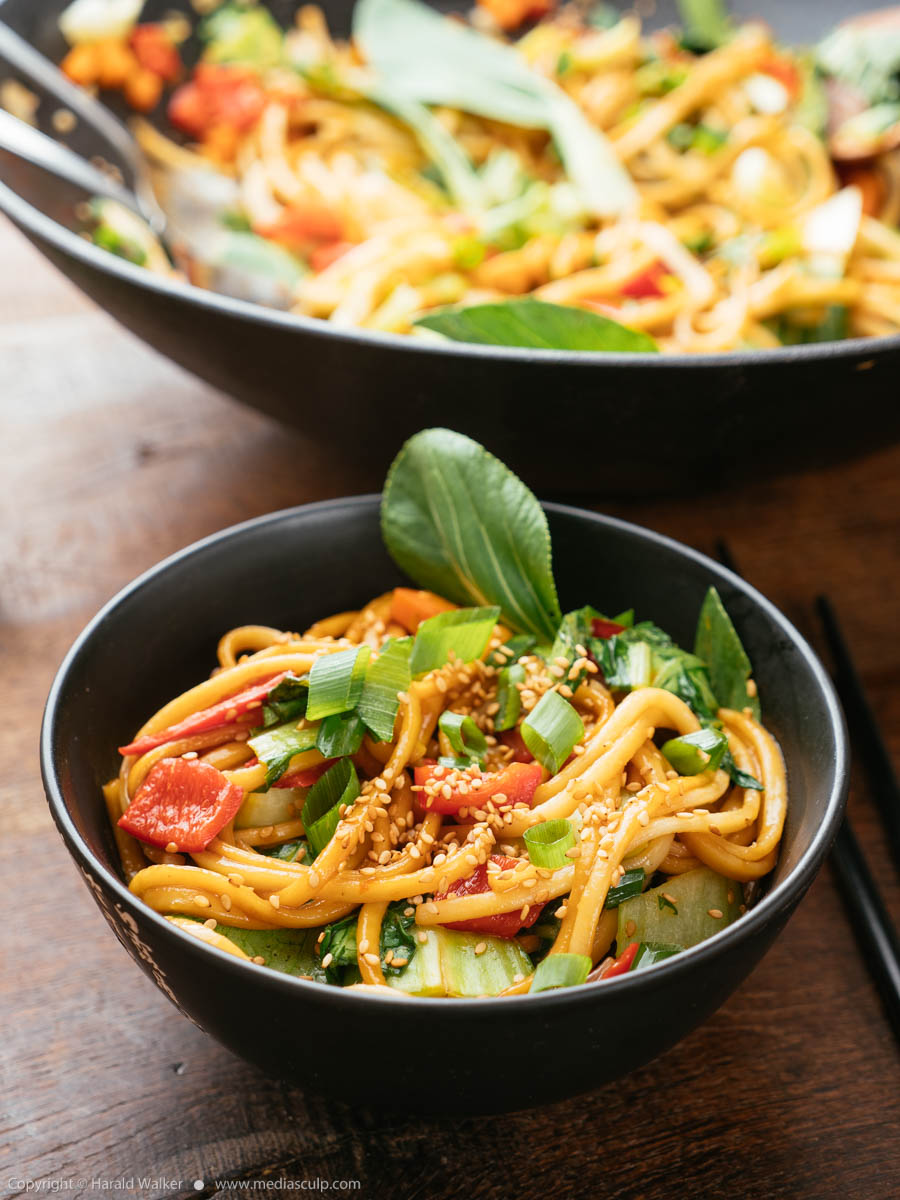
(869, 920)
(864, 728)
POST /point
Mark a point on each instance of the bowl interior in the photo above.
(159, 637)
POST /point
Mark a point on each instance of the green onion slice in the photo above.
(631, 884)
(276, 747)
(640, 664)
(551, 730)
(694, 753)
(387, 675)
(340, 734)
(463, 734)
(559, 971)
(548, 842)
(653, 952)
(509, 697)
(336, 682)
(339, 785)
(463, 632)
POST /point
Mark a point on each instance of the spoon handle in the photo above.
(29, 143)
(21, 55)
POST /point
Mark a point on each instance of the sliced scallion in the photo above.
(694, 753)
(464, 736)
(339, 785)
(387, 675)
(509, 697)
(548, 842)
(551, 730)
(463, 632)
(559, 971)
(336, 682)
(340, 734)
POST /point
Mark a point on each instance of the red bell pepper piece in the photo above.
(306, 776)
(516, 783)
(302, 224)
(499, 924)
(226, 712)
(513, 738)
(620, 965)
(601, 628)
(646, 284)
(217, 95)
(182, 802)
(323, 256)
(155, 51)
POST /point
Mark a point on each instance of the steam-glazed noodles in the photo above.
(697, 190)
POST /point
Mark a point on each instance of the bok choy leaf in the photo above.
(536, 324)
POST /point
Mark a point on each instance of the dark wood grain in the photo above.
(111, 459)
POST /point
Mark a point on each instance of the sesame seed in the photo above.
(630, 927)
(225, 901)
(398, 962)
(715, 912)
(275, 900)
(314, 879)
(171, 848)
(328, 960)
(211, 923)
(202, 901)
(671, 899)
(236, 879)
(421, 937)
(363, 946)
(372, 959)
(191, 754)
(259, 960)
(481, 947)
(575, 852)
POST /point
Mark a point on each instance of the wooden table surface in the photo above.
(113, 458)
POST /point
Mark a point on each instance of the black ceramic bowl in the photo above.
(672, 422)
(159, 636)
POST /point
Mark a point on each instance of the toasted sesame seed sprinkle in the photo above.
(259, 960)
(202, 901)
(171, 848)
(716, 913)
(328, 960)
(211, 923)
(630, 927)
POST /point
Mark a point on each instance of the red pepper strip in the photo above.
(499, 924)
(183, 802)
(155, 51)
(306, 776)
(516, 783)
(513, 738)
(605, 629)
(323, 256)
(226, 712)
(303, 224)
(646, 284)
(217, 95)
(620, 965)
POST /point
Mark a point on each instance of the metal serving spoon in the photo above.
(26, 142)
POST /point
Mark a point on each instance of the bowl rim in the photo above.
(43, 228)
(781, 897)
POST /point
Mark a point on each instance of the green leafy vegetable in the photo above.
(631, 884)
(718, 644)
(574, 632)
(453, 963)
(250, 254)
(387, 675)
(297, 850)
(650, 953)
(338, 786)
(867, 57)
(290, 951)
(701, 902)
(286, 701)
(668, 666)
(435, 61)
(271, 807)
(336, 681)
(560, 971)
(509, 697)
(693, 753)
(706, 24)
(340, 734)
(459, 522)
(548, 842)
(539, 325)
(466, 739)
(240, 33)
(463, 632)
(397, 936)
(551, 730)
(276, 747)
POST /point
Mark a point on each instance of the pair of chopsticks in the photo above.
(872, 926)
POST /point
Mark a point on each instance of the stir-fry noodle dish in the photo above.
(457, 790)
(523, 174)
